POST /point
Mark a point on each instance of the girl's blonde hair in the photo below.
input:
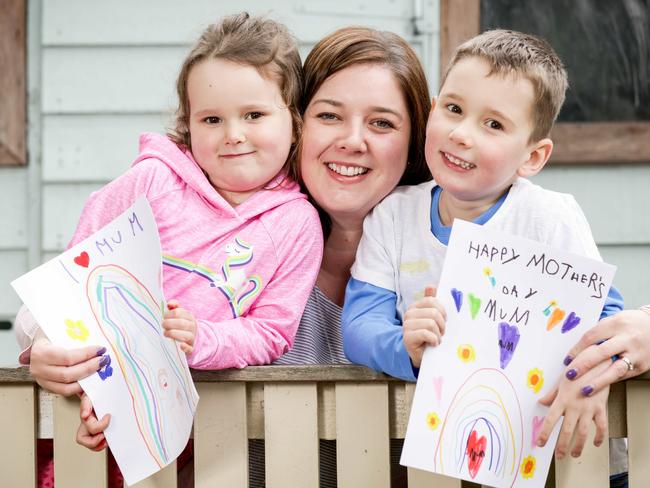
(252, 41)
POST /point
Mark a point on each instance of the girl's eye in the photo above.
(212, 120)
(327, 116)
(452, 107)
(253, 115)
(494, 124)
(384, 124)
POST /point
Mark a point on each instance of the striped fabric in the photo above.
(318, 340)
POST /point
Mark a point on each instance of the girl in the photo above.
(221, 188)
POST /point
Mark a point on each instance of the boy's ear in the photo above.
(537, 158)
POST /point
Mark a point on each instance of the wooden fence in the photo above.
(291, 408)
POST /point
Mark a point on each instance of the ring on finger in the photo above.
(630, 364)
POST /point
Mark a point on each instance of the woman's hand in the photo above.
(624, 335)
(90, 433)
(579, 407)
(57, 369)
(179, 324)
(424, 325)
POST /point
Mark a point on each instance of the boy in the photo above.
(488, 130)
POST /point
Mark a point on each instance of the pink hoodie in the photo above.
(245, 273)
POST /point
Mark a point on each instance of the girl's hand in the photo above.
(580, 406)
(625, 335)
(57, 369)
(424, 325)
(179, 324)
(90, 433)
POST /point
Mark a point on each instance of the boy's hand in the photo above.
(424, 325)
(90, 433)
(579, 410)
(179, 324)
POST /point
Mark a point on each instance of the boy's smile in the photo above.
(478, 137)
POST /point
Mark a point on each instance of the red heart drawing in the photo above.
(83, 259)
(475, 452)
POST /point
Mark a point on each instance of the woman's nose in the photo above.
(353, 138)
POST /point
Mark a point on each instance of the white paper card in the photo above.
(514, 309)
(107, 291)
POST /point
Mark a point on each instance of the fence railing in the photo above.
(291, 408)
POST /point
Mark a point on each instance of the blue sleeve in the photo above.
(372, 334)
(613, 303)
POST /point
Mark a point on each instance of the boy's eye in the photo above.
(384, 124)
(452, 107)
(253, 115)
(494, 124)
(212, 120)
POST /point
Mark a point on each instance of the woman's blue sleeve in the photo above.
(372, 333)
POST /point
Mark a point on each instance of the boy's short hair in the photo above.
(515, 53)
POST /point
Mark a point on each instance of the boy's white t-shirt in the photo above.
(398, 251)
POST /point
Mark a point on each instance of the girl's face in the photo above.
(355, 140)
(240, 128)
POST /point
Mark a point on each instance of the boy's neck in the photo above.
(450, 208)
(339, 252)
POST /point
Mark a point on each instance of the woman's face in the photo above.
(355, 140)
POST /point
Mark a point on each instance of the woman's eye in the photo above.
(494, 124)
(327, 116)
(253, 115)
(452, 107)
(212, 120)
(384, 124)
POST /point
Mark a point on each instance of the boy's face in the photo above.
(477, 133)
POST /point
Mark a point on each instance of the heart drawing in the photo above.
(537, 426)
(570, 323)
(474, 305)
(458, 298)
(555, 318)
(475, 452)
(83, 259)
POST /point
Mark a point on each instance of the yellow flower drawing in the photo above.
(535, 379)
(466, 353)
(528, 467)
(433, 421)
(76, 330)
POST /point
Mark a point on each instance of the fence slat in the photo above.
(165, 478)
(590, 469)
(362, 454)
(424, 479)
(17, 446)
(291, 432)
(638, 431)
(74, 465)
(220, 436)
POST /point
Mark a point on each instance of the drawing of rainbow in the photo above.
(483, 429)
(122, 304)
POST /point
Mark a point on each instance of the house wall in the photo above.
(99, 73)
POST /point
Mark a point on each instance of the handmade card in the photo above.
(107, 291)
(514, 309)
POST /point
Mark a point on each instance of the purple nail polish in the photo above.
(567, 360)
(104, 361)
(571, 374)
(587, 390)
(101, 351)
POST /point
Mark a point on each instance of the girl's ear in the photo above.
(537, 158)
